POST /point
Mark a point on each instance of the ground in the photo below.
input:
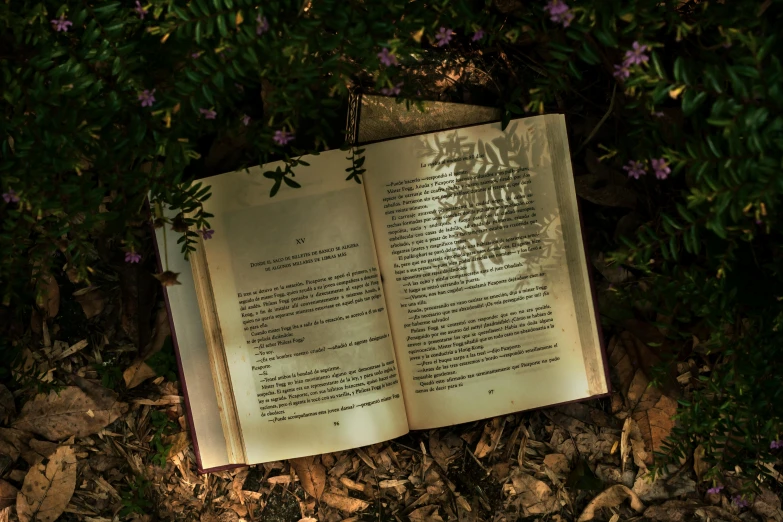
(107, 439)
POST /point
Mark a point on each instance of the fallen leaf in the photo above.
(75, 347)
(444, 448)
(137, 373)
(611, 497)
(45, 496)
(766, 505)
(665, 486)
(13, 443)
(650, 408)
(557, 462)
(534, 495)
(654, 415)
(48, 295)
(490, 437)
(178, 441)
(91, 299)
(346, 504)
(59, 415)
(312, 475)
(699, 466)
(425, 514)
(167, 278)
(7, 494)
(632, 443)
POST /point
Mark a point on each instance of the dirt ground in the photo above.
(107, 439)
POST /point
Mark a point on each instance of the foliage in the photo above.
(125, 102)
(135, 500)
(161, 426)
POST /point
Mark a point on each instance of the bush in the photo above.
(105, 102)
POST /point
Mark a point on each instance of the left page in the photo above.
(301, 312)
(209, 443)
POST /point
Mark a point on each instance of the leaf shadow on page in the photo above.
(490, 210)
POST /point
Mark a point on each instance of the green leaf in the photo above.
(291, 183)
(221, 23)
(275, 188)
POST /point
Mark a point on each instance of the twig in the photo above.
(600, 123)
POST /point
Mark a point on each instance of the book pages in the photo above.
(301, 312)
(470, 240)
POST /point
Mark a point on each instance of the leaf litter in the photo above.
(105, 438)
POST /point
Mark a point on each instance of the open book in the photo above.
(450, 286)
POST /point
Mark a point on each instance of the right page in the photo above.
(480, 248)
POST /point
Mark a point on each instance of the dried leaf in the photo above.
(489, 438)
(767, 506)
(59, 415)
(557, 462)
(611, 497)
(534, 495)
(137, 373)
(7, 494)
(425, 514)
(631, 443)
(92, 301)
(75, 347)
(346, 504)
(312, 475)
(650, 408)
(699, 466)
(179, 441)
(45, 496)
(48, 295)
(168, 278)
(444, 448)
(664, 486)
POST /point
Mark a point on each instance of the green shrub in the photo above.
(127, 100)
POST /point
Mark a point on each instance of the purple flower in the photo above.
(10, 196)
(636, 56)
(387, 58)
(132, 257)
(661, 168)
(263, 25)
(559, 12)
(740, 502)
(775, 444)
(478, 35)
(392, 91)
(715, 490)
(635, 169)
(282, 137)
(208, 113)
(61, 24)
(140, 10)
(206, 233)
(246, 120)
(658, 114)
(147, 97)
(443, 36)
(621, 71)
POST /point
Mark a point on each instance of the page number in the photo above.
(336, 423)
(491, 392)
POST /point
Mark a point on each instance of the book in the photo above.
(451, 285)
